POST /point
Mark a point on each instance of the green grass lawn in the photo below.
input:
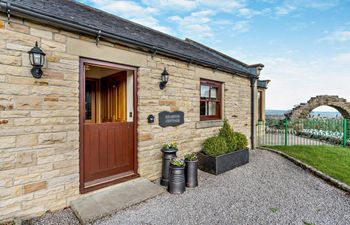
(333, 161)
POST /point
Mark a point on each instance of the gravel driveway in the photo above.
(268, 190)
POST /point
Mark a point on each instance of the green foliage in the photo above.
(331, 160)
(177, 162)
(171, 144)
(241, 140)
(191, 157)
(215, 146)
(274, 210)
(227, 141)
(307, 223)
(234, 140)
(227, 133)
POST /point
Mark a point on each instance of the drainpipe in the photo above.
(252, 108)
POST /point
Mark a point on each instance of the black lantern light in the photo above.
(37, 58)
(165, 79)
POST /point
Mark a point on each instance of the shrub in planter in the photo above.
(223, 152)
(230, 138)
(176, 177)
(215, 146)
(191, 174)
(241, 140)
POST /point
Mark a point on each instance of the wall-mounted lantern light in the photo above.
(37, 58)
(165, 79)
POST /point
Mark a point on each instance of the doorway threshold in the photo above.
(112, 199)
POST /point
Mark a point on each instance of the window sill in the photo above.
(209, 123)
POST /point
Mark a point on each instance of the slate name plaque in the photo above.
(173, 119)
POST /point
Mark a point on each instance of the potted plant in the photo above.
(191, 174)
(176, 176)
(169, 152)
(223, 152)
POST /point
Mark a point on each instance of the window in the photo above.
(260, 105)
(210, 100)
(105, 99)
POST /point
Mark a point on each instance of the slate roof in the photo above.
(263, 83)
(70, 12)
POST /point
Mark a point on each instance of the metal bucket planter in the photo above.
(191, 174)
(176, 179)
(168, 154)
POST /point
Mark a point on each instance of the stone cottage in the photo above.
(80, 111)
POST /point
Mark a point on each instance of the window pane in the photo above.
(212, 109)
(204, 91)
(88, 100)
(202, 109)
(259, 105)
(213, 92)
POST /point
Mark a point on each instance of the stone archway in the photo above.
(304, 109)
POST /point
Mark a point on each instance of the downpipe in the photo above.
(252, 108)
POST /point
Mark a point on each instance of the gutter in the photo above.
(23, 12)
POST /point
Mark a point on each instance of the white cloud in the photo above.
(249, 13)
(222, 5)
(337, 36)
(198, 5)
(343, 58)
(197, 24)
(290, 6)
(241, 26)
(185, 5)
(295, 81)
(132, 11)
(284, 10)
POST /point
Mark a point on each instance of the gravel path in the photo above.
(268, 190)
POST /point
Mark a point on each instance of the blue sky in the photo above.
(304, 44)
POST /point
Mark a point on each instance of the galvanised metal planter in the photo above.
(191, 173)
(168, 154)
(222, 163)
(176, 179)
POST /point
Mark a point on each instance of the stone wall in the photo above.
(304, 109)
(39, 118)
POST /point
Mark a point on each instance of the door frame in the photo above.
(101, 63)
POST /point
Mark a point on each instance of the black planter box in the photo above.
(222, 163)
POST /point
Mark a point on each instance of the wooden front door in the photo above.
(108, 126)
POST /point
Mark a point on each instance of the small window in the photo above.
(260, 105)
(210, 100)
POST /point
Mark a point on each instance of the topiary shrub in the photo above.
(229, 135)
(241, 140)
(215, 146)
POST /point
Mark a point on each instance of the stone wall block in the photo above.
(26, 140)
(10, 60)
(7, 142)
(18, 38)
(29, 188)
(52, 138)
(2, 24)
(26, 158)
(17, 27)
(12, 192)
(41, 33)
(28, 102)
(49, 45)
(60, 38)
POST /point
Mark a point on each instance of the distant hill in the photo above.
(280, 113)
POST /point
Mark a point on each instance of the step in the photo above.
(112, 199)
